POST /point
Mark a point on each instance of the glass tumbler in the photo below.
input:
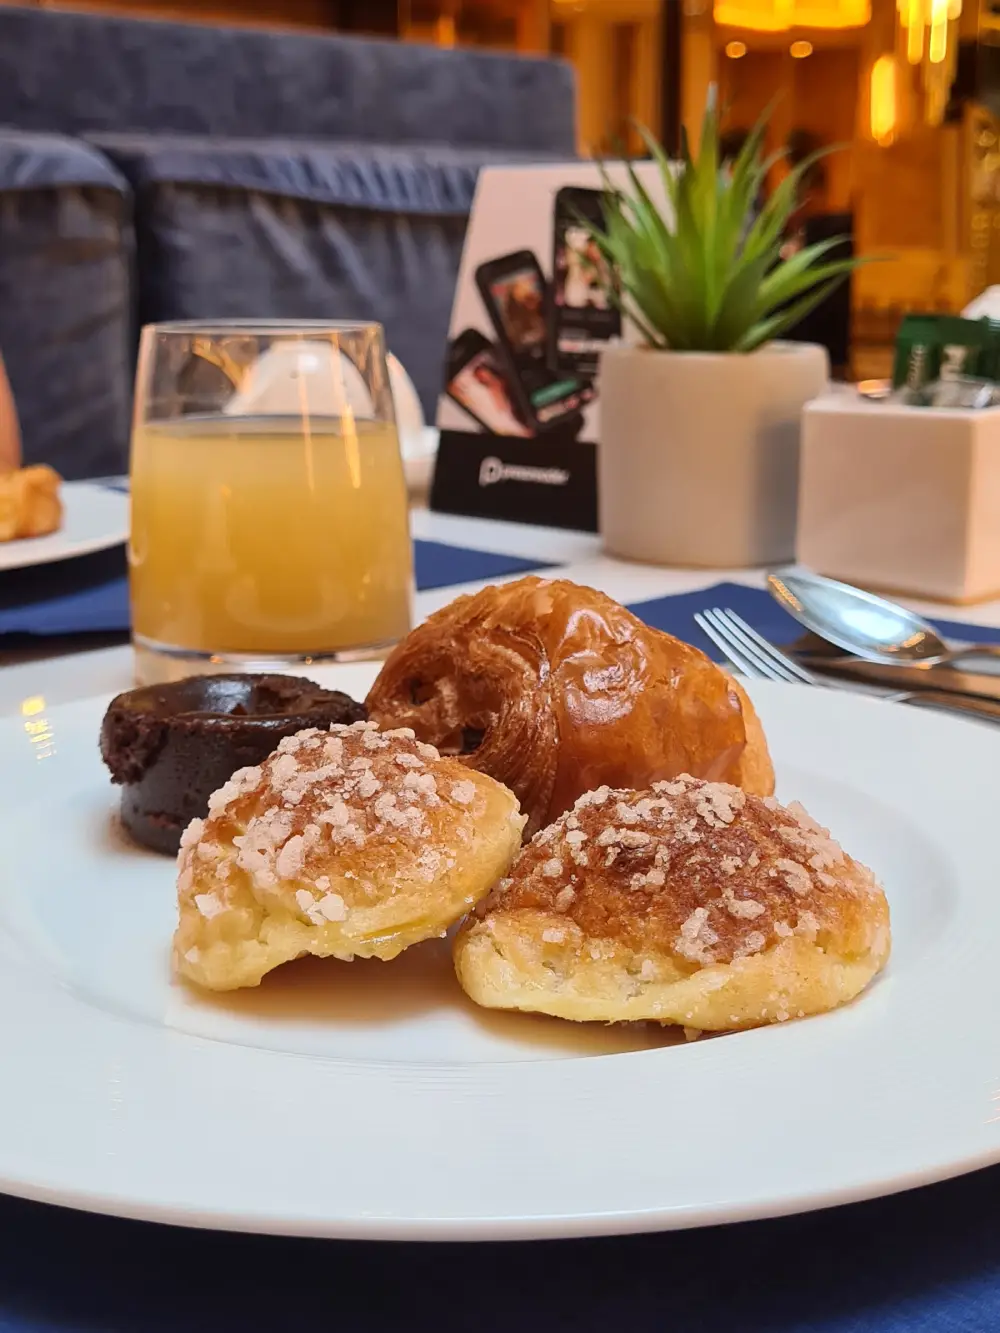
(269, 509)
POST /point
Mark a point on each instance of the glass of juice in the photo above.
(269, 510)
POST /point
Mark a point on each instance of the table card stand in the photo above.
(519, 415)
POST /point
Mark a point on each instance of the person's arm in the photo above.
(10, 431)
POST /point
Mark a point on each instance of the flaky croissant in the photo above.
(29, 503)
(555, 689)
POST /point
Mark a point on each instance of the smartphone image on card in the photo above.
(584, 316)
(515, 294)
(477, 383)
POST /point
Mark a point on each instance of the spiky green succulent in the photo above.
(712, 278)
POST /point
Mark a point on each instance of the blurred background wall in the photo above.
(910, 88)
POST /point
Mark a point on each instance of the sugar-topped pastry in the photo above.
(691, 903)
(343, 843)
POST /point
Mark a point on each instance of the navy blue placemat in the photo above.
(440, 565)
(926, 1262)
(676, 615)
(90, 594)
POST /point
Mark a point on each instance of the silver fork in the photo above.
(758, 659)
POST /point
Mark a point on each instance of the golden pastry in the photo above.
(29, 503)
(345, 843)
(693, 903)
(554, 689)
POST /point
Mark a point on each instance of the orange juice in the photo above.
(264, 535)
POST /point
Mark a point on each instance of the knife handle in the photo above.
(984, 710)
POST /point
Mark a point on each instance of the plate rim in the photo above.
(511, 1229)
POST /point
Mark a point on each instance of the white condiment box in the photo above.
(903, 499)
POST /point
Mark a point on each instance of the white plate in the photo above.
(371, 1100)
(94, 519)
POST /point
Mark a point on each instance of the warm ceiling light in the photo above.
(932, 32)
(780, 15)
(734, 50)
(933, 17)
(799, 50)
(883, 100)
(937, 44)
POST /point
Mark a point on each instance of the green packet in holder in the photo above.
(944, 347)
(917, 353)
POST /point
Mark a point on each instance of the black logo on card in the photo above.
(493, 471)
(545, 480)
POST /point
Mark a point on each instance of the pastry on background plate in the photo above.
(170, 746)
(693, 903)
(344, 843)
(555, 689)
(29, 503)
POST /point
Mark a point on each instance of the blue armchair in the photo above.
(168, 171)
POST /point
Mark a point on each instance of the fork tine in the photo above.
(747, 633)
(763, 666)
(769, 657)
(744, 658)
(731, 654)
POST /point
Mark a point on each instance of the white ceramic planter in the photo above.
(699, 455)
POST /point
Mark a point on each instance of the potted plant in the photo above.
(700, 408)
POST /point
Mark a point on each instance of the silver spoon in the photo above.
(870, 627)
